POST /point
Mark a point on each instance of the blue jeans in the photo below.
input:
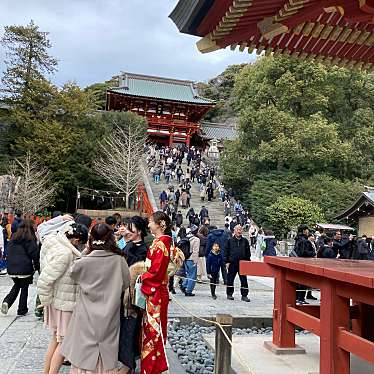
(191, 273)
(157, 178)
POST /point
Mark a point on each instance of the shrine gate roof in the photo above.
(159, 88)
(338, 32)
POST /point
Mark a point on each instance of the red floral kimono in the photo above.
(155, 288)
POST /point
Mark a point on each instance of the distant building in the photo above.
(361, 212)
(172, 107)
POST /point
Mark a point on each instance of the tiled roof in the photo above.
(365, 199)
(218, 131)
(159, 88)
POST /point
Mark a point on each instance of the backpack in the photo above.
(185, 246)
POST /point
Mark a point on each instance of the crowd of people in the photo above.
(105, 302)
(329, 245)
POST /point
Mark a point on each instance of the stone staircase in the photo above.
(215, 207)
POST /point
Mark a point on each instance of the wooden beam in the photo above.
(259, 269)
(355, 344)
(304, 320)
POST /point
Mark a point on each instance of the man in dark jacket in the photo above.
(237, 249)
(303, 248)
(341, 245)
(217, 236)
(203, 213)
(363, 248)
(179, 219)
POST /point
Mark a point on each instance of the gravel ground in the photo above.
(195, 356)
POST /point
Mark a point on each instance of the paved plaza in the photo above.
(24, 340)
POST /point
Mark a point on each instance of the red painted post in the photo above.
(284, 294)
(334, 315)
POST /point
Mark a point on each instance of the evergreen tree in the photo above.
(27, 61)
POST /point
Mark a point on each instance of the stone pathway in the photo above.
(23, 340)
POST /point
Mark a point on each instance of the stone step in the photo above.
(214, 207)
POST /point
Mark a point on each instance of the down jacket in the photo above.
(55, 286)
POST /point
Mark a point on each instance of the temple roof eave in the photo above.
(353, 209)
(206, 102)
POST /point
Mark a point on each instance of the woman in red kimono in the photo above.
(155, 288)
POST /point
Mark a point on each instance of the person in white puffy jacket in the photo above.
(56, 289)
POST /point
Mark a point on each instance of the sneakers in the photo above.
(301, 302)
(3, 272)
(189, 294)
(246, 299)
(4, 308)
(230, 297)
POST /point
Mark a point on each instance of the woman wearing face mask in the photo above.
(135, 253)
(57, 290)
(155, 288)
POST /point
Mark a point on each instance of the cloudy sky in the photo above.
(96, 39)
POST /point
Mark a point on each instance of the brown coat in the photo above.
(94, 326)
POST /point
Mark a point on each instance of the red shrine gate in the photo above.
(172, 107)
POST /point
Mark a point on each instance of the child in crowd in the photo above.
(213, 266)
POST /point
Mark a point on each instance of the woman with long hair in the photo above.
(92, 340)
(23, 261)
(155, 288)
(57, 290)
(131, 317)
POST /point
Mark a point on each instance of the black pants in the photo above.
(213, 281)
(300, 293)
(363, 256)
(20, 284)
(224, 273)
(231, 275)
(171, 283)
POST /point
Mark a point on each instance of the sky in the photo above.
(96, 39)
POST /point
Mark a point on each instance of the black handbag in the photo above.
(129, 339)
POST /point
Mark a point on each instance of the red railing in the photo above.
(144, 204)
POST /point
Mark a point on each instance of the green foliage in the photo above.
(266, 189)
(290, 211)
(27, 60)
(220, 90)
(236, 164)
(97, 92)
(305, 130)
(331, 194)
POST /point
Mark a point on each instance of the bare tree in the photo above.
(120, 154)
(32, 187)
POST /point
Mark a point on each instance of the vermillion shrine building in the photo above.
(172, 107)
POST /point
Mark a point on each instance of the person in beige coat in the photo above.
(56, 289)
(92, 340)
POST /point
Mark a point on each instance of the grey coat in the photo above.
(95, 323)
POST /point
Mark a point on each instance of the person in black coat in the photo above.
(179, 219)
(237, 249)
(303, 248)
(23, 261)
